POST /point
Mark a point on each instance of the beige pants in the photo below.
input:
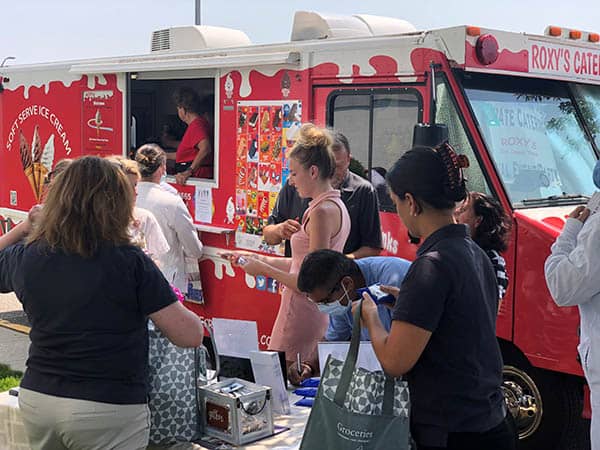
(58, 423)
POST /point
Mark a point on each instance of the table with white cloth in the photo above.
(13, 437)
(12, 430)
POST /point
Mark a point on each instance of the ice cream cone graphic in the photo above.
(29, 173)
(35, 161)
(40, 172)
(36, 154)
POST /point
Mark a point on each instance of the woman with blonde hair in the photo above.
(144, 229)
(88, 294)
(300, 324)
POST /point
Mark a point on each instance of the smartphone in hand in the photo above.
(377, 294)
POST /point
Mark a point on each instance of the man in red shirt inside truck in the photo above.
(194, 157)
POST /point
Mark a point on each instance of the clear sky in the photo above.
(53, 30)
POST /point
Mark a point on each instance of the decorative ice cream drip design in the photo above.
(220, 264)
(286, 84)
(250, 281)
(229, 86)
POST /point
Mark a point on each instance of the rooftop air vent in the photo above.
(382, 26)
(312, 25)
(198, 37)
(161, 40)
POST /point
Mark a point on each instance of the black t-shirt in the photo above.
(289, 205)
(360, 199)
(451, 290)
(89, 335)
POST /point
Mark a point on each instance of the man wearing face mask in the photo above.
(331, 280)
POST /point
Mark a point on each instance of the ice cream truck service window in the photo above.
(178, 115)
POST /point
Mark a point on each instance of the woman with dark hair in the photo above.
(172, 216)
(325, 224)
(444, 319)
(490, 228)
(194, 157)
(88, 294)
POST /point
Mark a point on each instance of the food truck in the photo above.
(524, 108)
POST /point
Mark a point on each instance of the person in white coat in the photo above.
(145, 231)
(171, 214)
(572, 271)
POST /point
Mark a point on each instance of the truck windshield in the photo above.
(535, 131)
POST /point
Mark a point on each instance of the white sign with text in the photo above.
(564, 61)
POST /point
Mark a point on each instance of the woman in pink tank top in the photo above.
(325, 224)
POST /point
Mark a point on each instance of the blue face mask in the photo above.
(596, 174)
(336, 308)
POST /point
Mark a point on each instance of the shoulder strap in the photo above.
(351, 357)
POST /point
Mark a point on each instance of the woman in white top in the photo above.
(572, 272)
(171, 214)
(144, 230)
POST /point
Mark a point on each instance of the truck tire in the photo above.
(546, 406)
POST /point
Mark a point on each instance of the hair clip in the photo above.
(463, 161)
(453, 163)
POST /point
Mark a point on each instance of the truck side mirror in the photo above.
(430, 135)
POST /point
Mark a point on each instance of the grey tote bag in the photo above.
(356, 409)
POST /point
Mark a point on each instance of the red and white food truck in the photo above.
(524, 108)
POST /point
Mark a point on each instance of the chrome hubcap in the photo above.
(523, 400)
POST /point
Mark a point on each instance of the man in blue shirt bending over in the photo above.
(331, 279)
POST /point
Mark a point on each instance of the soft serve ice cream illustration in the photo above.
(229, 86)
(36, 162)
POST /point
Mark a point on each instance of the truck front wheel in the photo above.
(546, 407)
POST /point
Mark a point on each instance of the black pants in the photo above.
(501, 437)
(182, 167)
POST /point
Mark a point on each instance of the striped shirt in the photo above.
(500, 271)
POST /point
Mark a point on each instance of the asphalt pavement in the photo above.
(14, 337)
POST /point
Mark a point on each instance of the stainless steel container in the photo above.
(236, 411)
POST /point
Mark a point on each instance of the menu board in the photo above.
(266, 131)
(99, 119)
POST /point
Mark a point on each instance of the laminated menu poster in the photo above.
(266, 130)
(99, 119)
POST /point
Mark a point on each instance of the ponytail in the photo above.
(149, 158)
(454, 186)
(313, 148)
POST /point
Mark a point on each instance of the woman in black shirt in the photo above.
(443, 329)
(88, 294)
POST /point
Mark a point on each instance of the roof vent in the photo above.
(313, 25)
(382, 26)
(196, 37)
(161, 40)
